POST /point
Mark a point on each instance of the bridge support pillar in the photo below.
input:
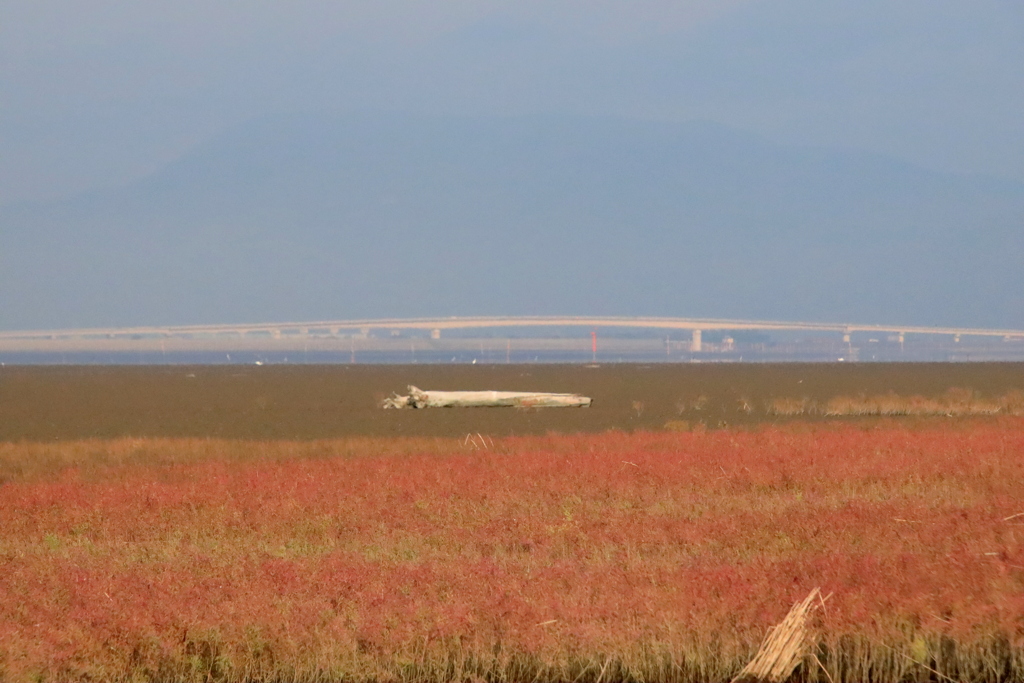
(435, 333)
(695, 343)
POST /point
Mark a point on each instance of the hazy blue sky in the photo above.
(95, 93)
(246, 160)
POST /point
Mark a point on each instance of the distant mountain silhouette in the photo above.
(311, 217)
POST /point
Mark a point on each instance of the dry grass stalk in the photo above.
(953, 403)
(790, 407)
(785, 646)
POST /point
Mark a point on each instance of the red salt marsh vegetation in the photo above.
(647, 556)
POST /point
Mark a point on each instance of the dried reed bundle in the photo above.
(785, 646)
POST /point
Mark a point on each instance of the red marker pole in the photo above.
(593, 344)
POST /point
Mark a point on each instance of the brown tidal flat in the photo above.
(329, 401)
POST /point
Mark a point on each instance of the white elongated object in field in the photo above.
(418, 398)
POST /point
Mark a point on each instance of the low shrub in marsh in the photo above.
(954, 403)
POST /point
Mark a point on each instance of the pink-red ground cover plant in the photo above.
(647, 557)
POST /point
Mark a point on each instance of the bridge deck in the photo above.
(337, 326)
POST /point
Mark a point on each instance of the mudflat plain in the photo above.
(273, 523)
(330, 401)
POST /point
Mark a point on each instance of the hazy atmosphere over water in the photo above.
(190, 162)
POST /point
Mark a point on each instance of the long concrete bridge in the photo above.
(28, 339)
